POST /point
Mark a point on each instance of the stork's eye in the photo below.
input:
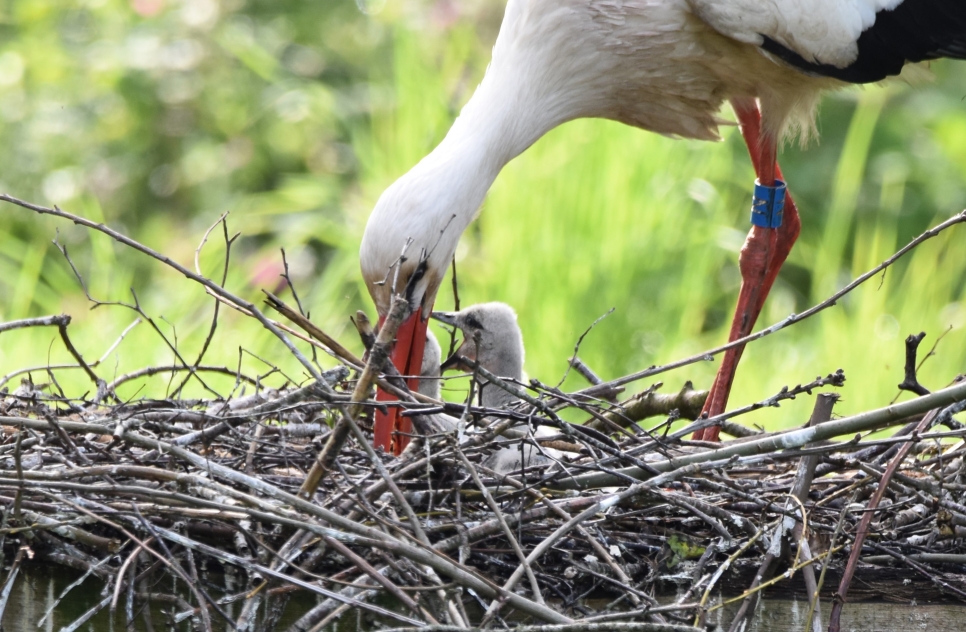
(473, 322)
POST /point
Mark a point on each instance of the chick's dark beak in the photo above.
(467, 351)
(448, 318)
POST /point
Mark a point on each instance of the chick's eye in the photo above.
(473, 322)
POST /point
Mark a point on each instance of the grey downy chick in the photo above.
(492, 338)
(429, 380)
(429, 375)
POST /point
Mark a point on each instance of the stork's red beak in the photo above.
(392, 430)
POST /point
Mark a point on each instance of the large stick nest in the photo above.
(609, 524)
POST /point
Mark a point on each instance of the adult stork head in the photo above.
(409, 242)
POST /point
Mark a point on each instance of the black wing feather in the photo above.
(916, 30)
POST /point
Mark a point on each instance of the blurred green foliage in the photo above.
(157, 116)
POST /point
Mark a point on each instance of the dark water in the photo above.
(39, 588)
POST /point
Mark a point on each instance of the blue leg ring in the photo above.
(768, 205)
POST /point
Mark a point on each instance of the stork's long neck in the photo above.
(500, 121)
(525, 93)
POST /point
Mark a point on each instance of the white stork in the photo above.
(661, 65)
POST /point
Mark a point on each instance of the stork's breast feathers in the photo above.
(820, 31)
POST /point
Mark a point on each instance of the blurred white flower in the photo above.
(371, 7)
(886, 327)
(953, 315)
(183, 54)
(143, 51)
(61, 185)
(11, 68)
(164, 180)
(293, 106)
(200, 14)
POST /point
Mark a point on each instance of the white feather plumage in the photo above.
(662, 65)
(821, 31)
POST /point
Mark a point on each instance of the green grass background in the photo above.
(157, 116)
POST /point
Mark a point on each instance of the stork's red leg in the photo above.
(762, 256)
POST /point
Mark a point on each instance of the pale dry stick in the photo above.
(321, 340)
(36, 521)
(925, 436)
(491, 527)
(200, 595)
(598, 548)
(833, 541)
(253, 448)
(341, 352)
(77, 582)
(790, 320)
(922, 570)
(703, 612)
(825, 555)
(348, 530)
(928, 558)
(821, 413)
(235, 560)
(651, 404)
(836, 379)
(602, 504)
(367, 568)
(224, 277)
(713, 516)
(323, 614)
(579, 626)
(117, 341)
(11, 577)
(853, 487)
(775, 550)
(698, 576)
(626, 589)
(630, 614)
(40, 321)
(781, 441)
(207, 283)
(417, 527)
(86, 616)
(507, 532)
(177, 368)
(787, 526)
(863, 527)
(196, 585)
(399, 311)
